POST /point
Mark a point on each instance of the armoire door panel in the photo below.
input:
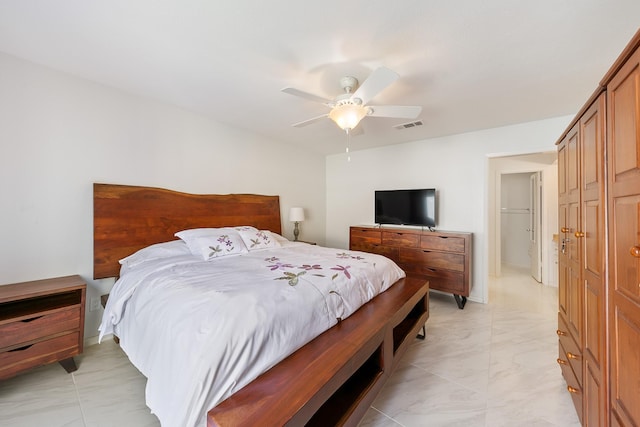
(573, 163)
(593, 134)
(575, 303)
(594, 405)
(624, 132)
(572, 247)
(625, 363)
(626, 279)
(562, 181)
(563, 294)
(593, 235)
(594, 333)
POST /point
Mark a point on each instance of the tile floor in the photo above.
(487, 365)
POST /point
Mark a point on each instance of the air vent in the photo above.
(408, 125)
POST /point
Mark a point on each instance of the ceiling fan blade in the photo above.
(307, 95)
(375, 83)
(397, 111)
(309, 121)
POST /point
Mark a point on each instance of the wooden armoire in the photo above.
(599, 249)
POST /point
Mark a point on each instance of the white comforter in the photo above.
(201, 330)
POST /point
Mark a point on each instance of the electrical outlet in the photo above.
(95, 304)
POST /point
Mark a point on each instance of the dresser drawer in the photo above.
(365, 235)
(573, 354)
(39, 325)
(389, 252)
(397, 238)
(442, 243)
(441, 280)
(40, 353)
(435, 260)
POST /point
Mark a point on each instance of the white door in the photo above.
(535, 225)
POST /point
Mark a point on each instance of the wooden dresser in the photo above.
(599, 257)
(41, 322)
(442, 258)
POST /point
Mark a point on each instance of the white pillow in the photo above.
(157, 251)
(245, 228)
(258, 239)
(278, 238)
(209, 243)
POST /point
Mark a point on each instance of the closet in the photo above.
(599, 257)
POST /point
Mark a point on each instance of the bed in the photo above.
(327, 380)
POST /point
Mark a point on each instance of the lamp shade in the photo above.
(296, 214)
(347, 115)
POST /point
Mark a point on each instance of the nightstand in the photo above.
(41, 322)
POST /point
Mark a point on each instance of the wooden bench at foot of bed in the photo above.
(334, 379)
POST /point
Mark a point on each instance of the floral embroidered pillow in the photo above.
(258, 239)
(210, 243)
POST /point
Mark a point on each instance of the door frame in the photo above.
(524, 162)
(498, 220)
(535, 225)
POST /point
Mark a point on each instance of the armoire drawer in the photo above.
(39, 325)
(401, 239)
(442, 243)
(573, 354)
(40, 353)
(574, 387)
(436, 260)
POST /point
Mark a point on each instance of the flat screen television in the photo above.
(406, 207)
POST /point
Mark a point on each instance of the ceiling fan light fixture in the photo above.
(348, 115)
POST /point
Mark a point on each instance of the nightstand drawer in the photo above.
(40, 353)
(39, 325)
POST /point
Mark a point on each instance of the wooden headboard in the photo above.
(128, 218)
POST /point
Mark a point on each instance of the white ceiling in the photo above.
(470, 64)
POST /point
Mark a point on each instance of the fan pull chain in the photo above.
(348, 145)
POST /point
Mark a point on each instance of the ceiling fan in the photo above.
(350, 107)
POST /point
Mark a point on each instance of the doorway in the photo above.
(521, 221)
(536, 216)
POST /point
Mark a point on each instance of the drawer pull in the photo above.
(21, 348)
(578, 234)
(572, 356)
(572, 390)
(564, 229)
(635, 251)
(31, 320)
(561, 362)
(561, 333)
(427, 252)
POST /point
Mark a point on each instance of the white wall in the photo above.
(59, 134)
(456, 165)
